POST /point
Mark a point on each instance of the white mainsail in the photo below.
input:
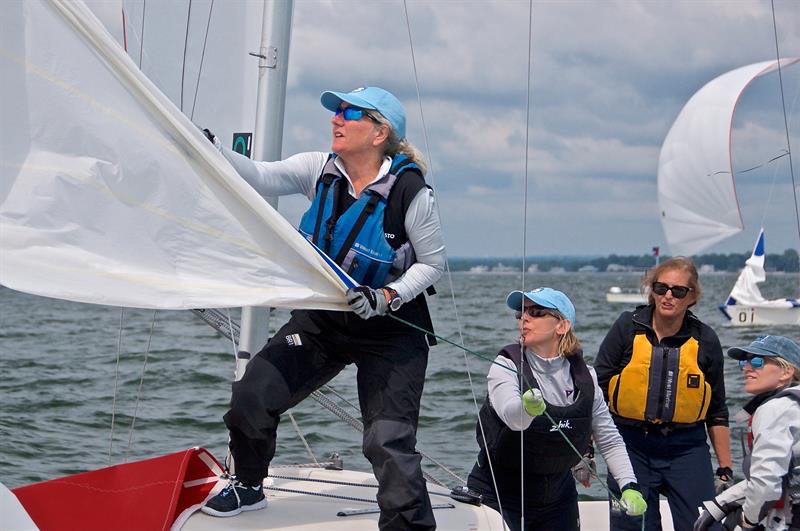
(696, 188)
(124, 202)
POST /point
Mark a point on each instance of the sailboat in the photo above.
(747, 306)
(697, 193)
(135, 208)
(618, 295)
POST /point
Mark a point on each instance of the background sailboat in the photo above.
(697, 191)
(747, 306)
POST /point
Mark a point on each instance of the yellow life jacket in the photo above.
(661, 384)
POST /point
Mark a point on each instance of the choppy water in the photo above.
(58, 361)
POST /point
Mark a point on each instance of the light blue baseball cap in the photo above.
(374, 98)
(545, 297)
(769, 347)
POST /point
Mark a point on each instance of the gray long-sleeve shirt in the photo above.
(298, 174)
(555, 382)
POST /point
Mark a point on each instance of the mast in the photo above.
(273, 63)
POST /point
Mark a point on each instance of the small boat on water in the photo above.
(616, 294)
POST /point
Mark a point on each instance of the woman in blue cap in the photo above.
(769, 497)
(372, 213)
(544, 372)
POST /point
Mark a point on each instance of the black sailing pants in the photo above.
(307, 353)
(551, 500)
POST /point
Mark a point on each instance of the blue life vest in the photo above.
(354, 237)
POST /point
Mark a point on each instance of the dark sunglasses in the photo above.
(679, 292)
(755, 362)
(354, 114)
(538, 311)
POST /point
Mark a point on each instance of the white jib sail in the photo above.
(745, 292)
(109, 195)
(696, 189)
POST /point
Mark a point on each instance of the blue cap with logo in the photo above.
(769, 347)
(374, 98)
(545, 297)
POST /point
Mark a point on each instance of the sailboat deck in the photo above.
(311, 498)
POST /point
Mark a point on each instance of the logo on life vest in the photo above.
(562, 425)
(388, 235)
(693, 381)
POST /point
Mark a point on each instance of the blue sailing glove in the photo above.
(632, 501)
(367, 302)
(533, 402)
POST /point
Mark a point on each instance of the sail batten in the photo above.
(696, 186)
(109, 195)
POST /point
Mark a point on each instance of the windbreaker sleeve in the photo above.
(612, 350)
(717, 414)
(608, 440)
(776, 427)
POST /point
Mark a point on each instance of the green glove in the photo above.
(533, 402)
(633, 503)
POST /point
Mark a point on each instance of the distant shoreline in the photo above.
(786, 262)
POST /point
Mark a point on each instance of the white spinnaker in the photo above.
(696, 188)
(109, 195)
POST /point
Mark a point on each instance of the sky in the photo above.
(561, 158)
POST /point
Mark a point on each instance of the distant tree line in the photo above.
(788, 262)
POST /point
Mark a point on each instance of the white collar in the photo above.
(382, 171)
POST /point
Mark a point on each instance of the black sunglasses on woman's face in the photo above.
(538, 311)
(679, 292)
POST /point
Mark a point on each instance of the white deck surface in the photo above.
(306, 511)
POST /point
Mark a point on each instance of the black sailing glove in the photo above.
(367, 302)
(723, 479)
(209, 135)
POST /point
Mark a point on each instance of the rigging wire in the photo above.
(141, 38)
(185, 46)
(116, 382)
(302, 438)
(139, 391)
(776, 167)
(523, 358)
(785, 120)
(447, 261)
(202, 58)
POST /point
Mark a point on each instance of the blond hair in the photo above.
(678, 263)
(569, 344)
(400, 146)
(786, 365)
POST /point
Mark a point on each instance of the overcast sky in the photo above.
(607, 80)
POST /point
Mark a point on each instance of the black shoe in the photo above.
(235, 498)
